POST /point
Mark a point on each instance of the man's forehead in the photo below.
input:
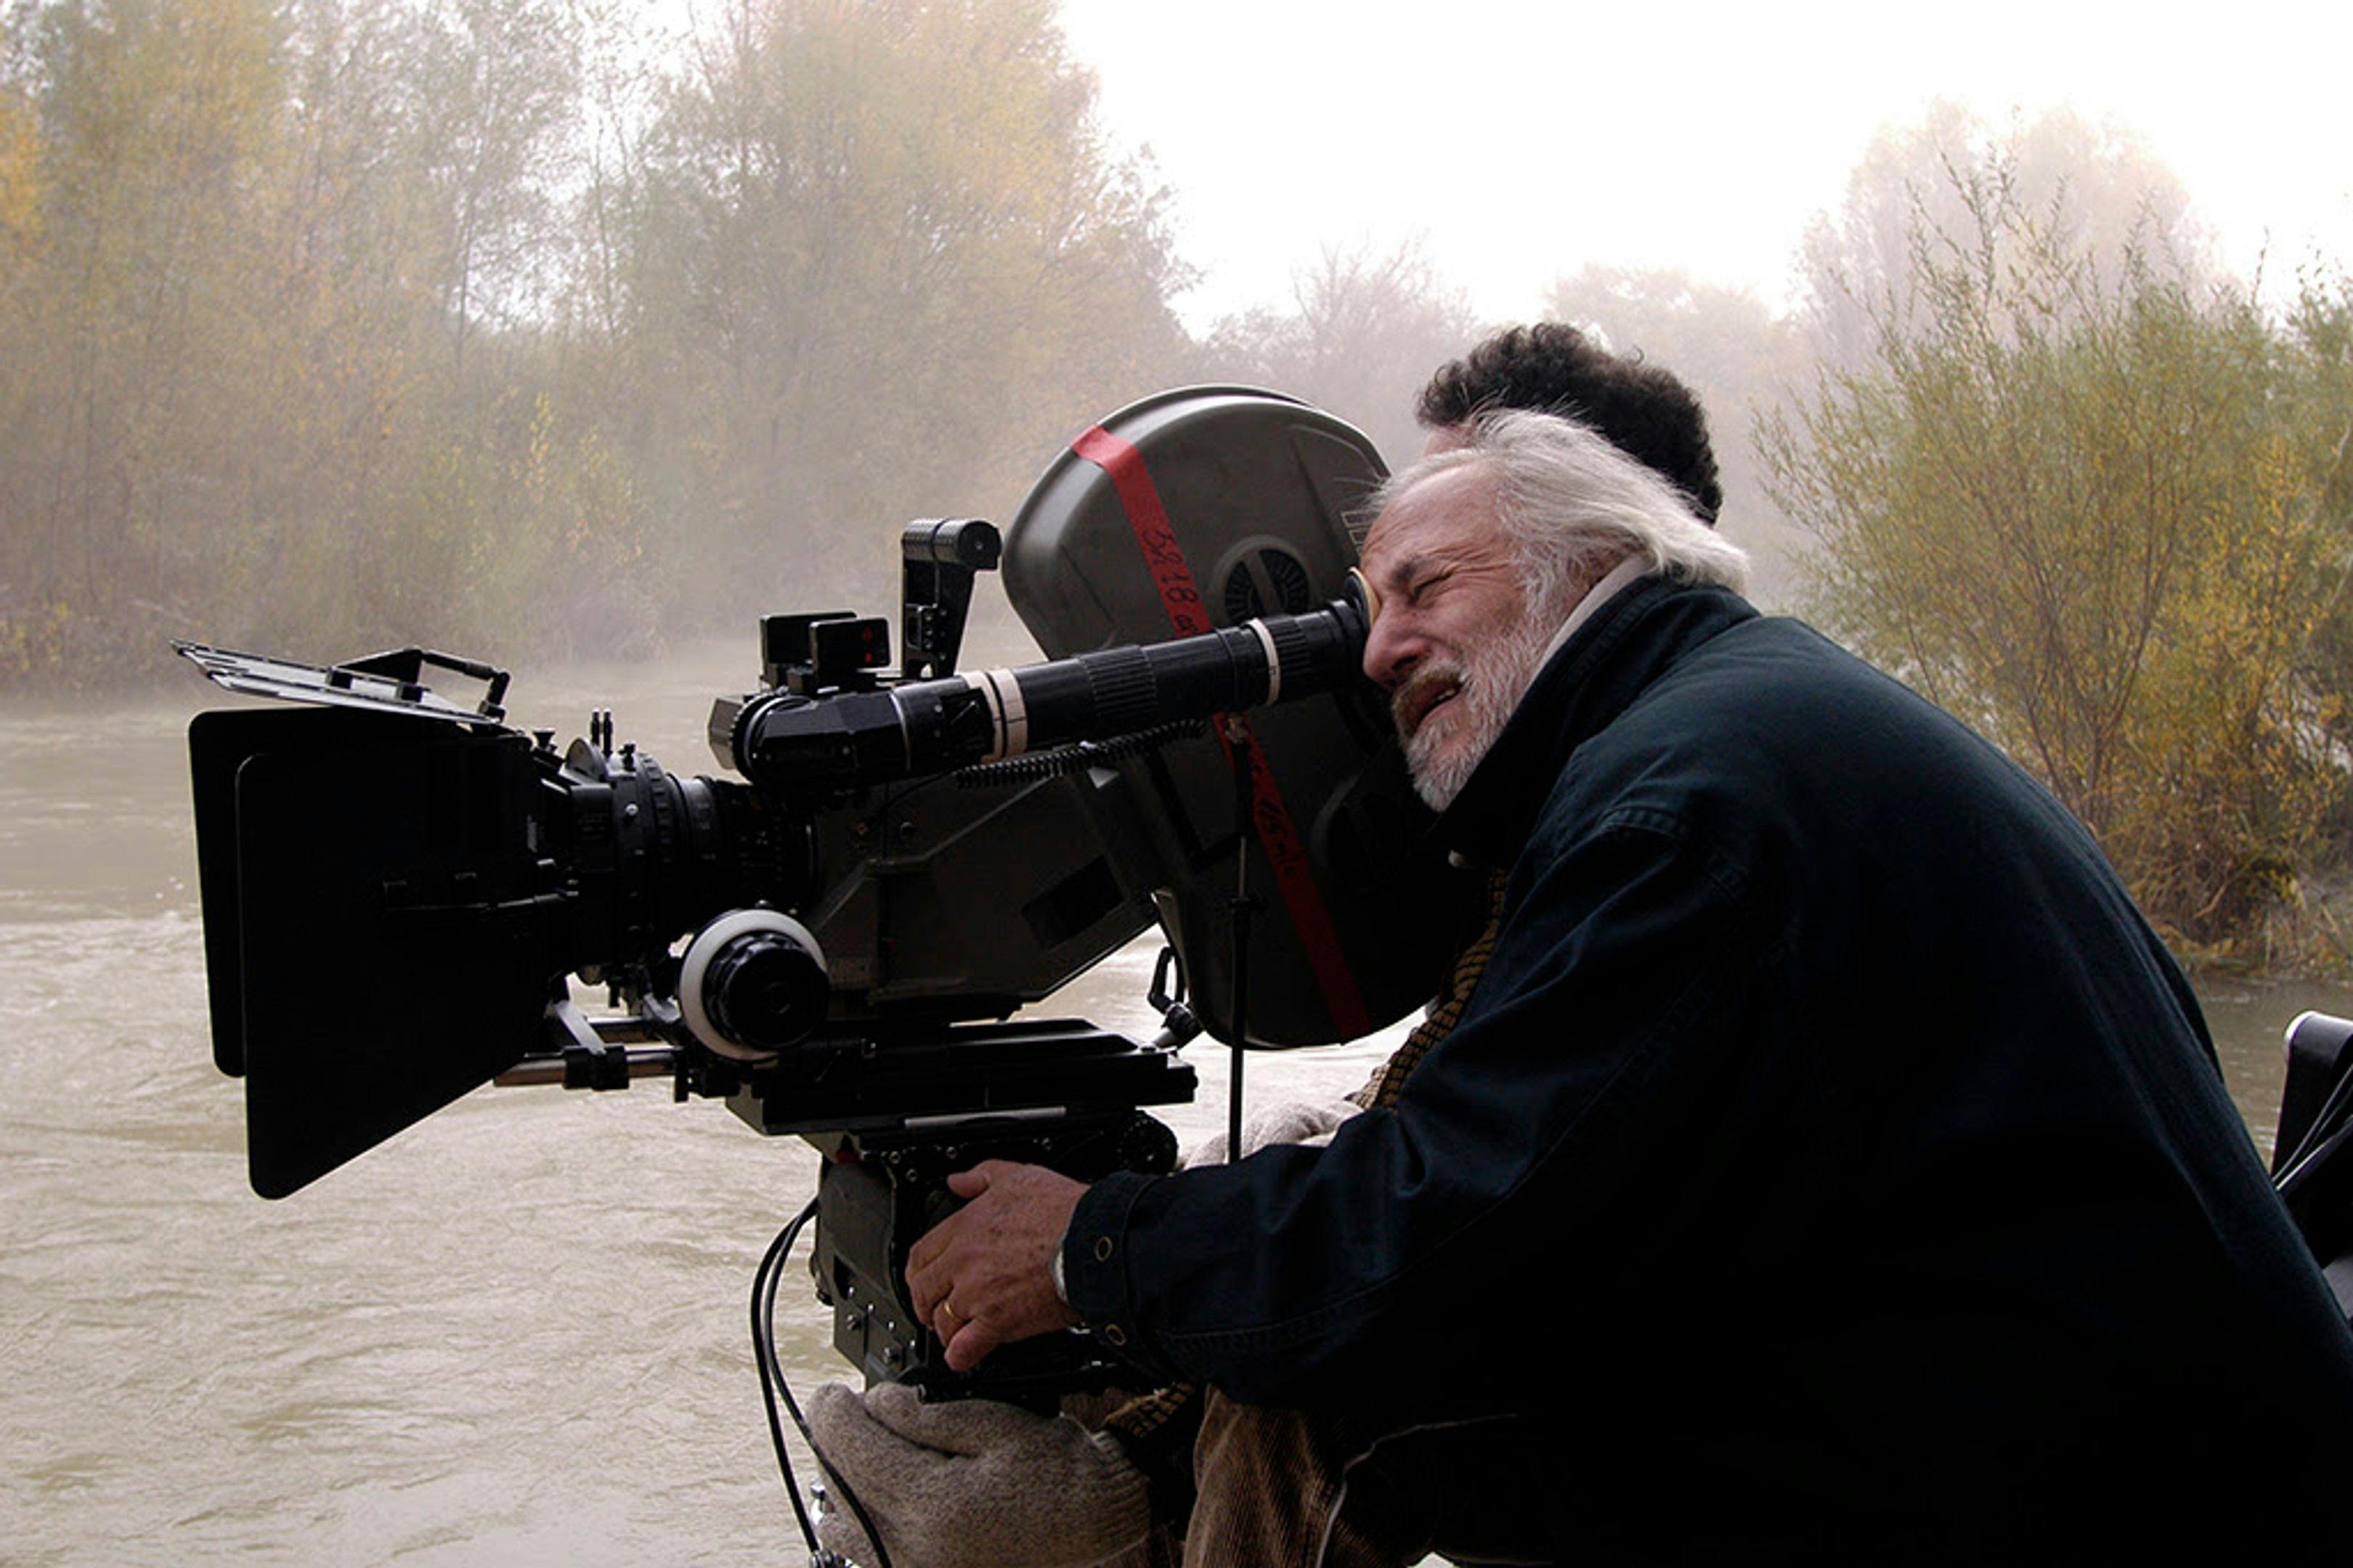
(1451, 511)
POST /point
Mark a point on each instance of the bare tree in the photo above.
(1365, 330)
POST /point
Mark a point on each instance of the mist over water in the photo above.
(516, 1334)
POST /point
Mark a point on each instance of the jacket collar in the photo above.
(1629, 642)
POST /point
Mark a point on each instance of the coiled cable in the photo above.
(1066, 760)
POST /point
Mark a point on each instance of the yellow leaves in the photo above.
(20, 182)
(303, 343)
(881, 259)
(226, 53)
(536, 446)
(2083, 513)
(156, 99)
(33, 639)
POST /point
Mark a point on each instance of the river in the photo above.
(514, 1334)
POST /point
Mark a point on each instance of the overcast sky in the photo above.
(1522, 141)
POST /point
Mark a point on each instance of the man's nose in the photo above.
(1389, 650)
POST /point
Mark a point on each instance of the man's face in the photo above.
(1453, 643)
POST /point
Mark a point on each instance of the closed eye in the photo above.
(1425, 584)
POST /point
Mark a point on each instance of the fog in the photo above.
(536, 327)
(574, 334)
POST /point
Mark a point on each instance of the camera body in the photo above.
(838, 941)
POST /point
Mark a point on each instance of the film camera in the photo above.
(842, 942)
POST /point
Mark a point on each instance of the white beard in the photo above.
(1441, 758)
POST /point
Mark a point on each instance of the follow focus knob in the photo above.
(751, 983)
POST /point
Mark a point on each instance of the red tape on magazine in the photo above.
(1278, 832)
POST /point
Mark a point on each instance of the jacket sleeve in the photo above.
(1602, 1089)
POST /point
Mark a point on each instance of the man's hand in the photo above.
(974, 1484)
(983, 1276)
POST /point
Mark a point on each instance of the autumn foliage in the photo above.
(2097, 507)
(514, 326)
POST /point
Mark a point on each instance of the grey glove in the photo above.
(974, 1484)
(1285, 1122)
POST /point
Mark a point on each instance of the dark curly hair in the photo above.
(1641, 409)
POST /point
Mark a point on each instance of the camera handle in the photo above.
(406, 666)
(942, 555)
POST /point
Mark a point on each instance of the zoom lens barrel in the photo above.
(799, 746)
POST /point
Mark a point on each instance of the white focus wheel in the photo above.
(709, 944)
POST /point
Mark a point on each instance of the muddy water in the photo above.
(515, 1335)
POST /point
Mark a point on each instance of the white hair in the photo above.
(1573, 505)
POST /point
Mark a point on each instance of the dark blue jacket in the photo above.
(1831, 1164)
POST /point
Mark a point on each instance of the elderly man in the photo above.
(1233, 1482)
(1831, 1164)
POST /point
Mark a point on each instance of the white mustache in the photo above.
(1405, 704)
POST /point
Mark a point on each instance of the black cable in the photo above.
(2319, 1132)
(772, 1385)
(1238, 758)
(763, 1352)
(2330, 1132)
